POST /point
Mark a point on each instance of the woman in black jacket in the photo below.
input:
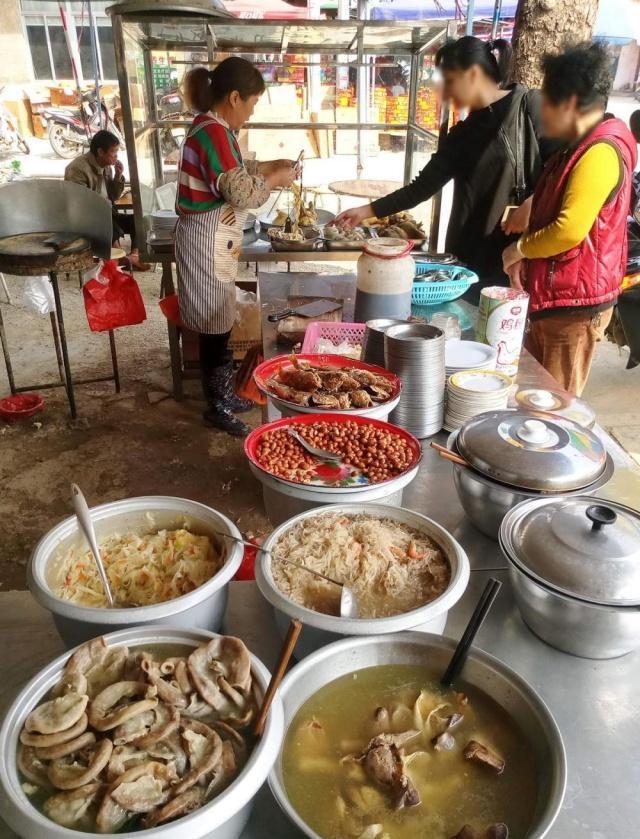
(493, 157)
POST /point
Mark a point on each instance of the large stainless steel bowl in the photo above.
(319, 629)
(486, 502)
(481, 671)
(222, 818)
(203, 608)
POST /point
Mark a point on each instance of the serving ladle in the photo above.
(86, 526)
(348, 600)
(322, 454)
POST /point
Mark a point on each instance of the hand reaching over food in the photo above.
(354, 217)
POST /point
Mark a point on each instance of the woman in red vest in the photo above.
(573, 256)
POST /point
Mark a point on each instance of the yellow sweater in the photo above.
(593, 179)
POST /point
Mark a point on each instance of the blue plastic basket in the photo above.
(426, 294)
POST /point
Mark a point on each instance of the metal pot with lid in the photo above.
(532, 452)
(575, 567)
(517, 455)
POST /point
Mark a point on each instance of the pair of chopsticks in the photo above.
(447, 454)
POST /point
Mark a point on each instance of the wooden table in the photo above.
(368, 189)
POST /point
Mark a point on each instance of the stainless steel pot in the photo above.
(486, 502)
(319, 629)
(222, 818)
(481, 670)
(574, 566)
(203, 607)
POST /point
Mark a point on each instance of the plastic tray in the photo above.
(334, 332)
(426, 294)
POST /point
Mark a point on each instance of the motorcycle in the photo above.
(10, 138)
(71, 130)
(169, 106)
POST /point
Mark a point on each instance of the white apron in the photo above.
(207, 248)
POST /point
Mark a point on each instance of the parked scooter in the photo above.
(71, 129)
(10, 138)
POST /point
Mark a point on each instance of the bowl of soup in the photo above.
(167, 560)
(375, 748)
(101, 742)
(405, 570)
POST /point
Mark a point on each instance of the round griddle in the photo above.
(29, 253)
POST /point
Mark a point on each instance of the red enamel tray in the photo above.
(252, 441)
(269, 368)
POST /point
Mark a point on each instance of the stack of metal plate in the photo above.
(373, 341)
(415, 353)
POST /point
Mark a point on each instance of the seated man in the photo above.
(101, 171)
(573, 257)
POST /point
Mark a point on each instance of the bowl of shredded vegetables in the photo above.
(167, 560)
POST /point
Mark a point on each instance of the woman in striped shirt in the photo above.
(216, 188)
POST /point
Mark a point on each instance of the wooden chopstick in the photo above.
(447, 454)
(278, 674)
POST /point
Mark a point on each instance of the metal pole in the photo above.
(94, 59)
(496, 18)
(471, 6)
(362, 90)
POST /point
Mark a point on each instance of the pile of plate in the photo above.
(373, 341)
(163, 223)
(468, 355)
(472, 392)
(415, 353)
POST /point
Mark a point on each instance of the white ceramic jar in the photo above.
(386, 271)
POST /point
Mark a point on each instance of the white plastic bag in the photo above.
(38, 295)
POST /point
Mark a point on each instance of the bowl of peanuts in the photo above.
(376, 461)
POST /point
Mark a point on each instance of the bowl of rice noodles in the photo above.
(405, 570)
(165, 560)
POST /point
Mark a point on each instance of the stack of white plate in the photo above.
(415, 353)
(163, 223)
(472, 392)
(468, 355)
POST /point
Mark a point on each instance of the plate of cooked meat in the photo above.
(312, 382)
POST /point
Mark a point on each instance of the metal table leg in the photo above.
(56, 344)
(53, 278)
(167, 287)
(114, 360)
(7, 357)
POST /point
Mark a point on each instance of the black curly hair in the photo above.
(581, 71)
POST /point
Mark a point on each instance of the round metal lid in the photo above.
(582, 546)
(554, 402)
(532, 451)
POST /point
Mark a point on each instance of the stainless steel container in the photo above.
(222, 818)
(202, 608)
(319, 629)
(575, 568)
(373, 341)
(486, 499)
(481, 670)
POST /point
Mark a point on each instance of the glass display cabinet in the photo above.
(354, 89)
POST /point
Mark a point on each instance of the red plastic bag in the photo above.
(113, 299)
(170, 308)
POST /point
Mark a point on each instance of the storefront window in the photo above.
(37, 37)
(60, 53)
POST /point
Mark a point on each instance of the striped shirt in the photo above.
(206, 155)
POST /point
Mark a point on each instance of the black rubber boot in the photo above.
(220, 412)
(235, 402)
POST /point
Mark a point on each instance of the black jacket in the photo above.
(480, 154)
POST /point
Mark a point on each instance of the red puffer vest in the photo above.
(591, 272)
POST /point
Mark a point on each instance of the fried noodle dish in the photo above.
(392, 568)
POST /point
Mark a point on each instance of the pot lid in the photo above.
(582, 546)
(532, 451)
(556, 402)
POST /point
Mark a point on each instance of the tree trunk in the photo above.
(548, 26)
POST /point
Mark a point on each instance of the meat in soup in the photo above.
(387, 753)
